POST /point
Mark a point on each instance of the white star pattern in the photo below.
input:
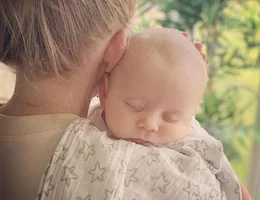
(110, 195)
(46, 171)
(97, 173)
(129, 173)
(213, 196)
(238, 191)
(49, 186)
(223, 195)
(76, 126)
(177, 162)
(151, 157)
(201, 147)
(186, 152)
(160, 183)
(180, 144)
(87, 150)
(87, 198)
(192, 190)
(59, 154)
(68, 174)
(122, 170)
(130, 176)
(110, 147)
(221, 177)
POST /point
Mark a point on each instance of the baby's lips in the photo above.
(138, 141)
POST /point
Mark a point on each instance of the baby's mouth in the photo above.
(139, 141)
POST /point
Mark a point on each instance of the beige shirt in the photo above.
(26, 145)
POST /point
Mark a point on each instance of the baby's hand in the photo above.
(198, 46)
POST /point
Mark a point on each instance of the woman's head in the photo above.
(47, 37)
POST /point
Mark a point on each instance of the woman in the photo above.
(59, 49)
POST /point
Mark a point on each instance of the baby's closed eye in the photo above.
(135, 106)
(170, 118)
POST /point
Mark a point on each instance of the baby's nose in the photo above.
(150, 123)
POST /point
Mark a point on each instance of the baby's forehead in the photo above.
(159, 50)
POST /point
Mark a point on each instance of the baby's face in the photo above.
(149, 100)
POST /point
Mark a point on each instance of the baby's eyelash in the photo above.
(137, 108)
(167, 119)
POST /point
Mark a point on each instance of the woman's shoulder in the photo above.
(28, 126)
(36, 138)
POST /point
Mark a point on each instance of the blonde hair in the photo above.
(46, 37)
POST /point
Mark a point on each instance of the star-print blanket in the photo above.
(88, 165)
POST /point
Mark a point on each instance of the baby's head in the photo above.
(156, 89)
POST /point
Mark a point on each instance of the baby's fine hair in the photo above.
(47, 37)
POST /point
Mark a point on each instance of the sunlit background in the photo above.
(230, 33)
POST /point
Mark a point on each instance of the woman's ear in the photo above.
(115, 49)
(103, 91)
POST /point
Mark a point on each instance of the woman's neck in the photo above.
(68, 95)
(51, 96)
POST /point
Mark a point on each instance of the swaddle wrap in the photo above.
(88, 165)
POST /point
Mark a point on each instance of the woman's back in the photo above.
(26, 145)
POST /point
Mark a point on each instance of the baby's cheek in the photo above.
(117, 124)
(111, 121)
(183, 131)
(176, 132)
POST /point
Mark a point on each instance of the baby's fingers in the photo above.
(199, 47)
(185, 34)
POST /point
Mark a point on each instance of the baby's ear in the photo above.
(103, 90)
(115, 49)
(197, 110)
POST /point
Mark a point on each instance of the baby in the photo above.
(152, 96)
(154, 92)
(156, 150)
